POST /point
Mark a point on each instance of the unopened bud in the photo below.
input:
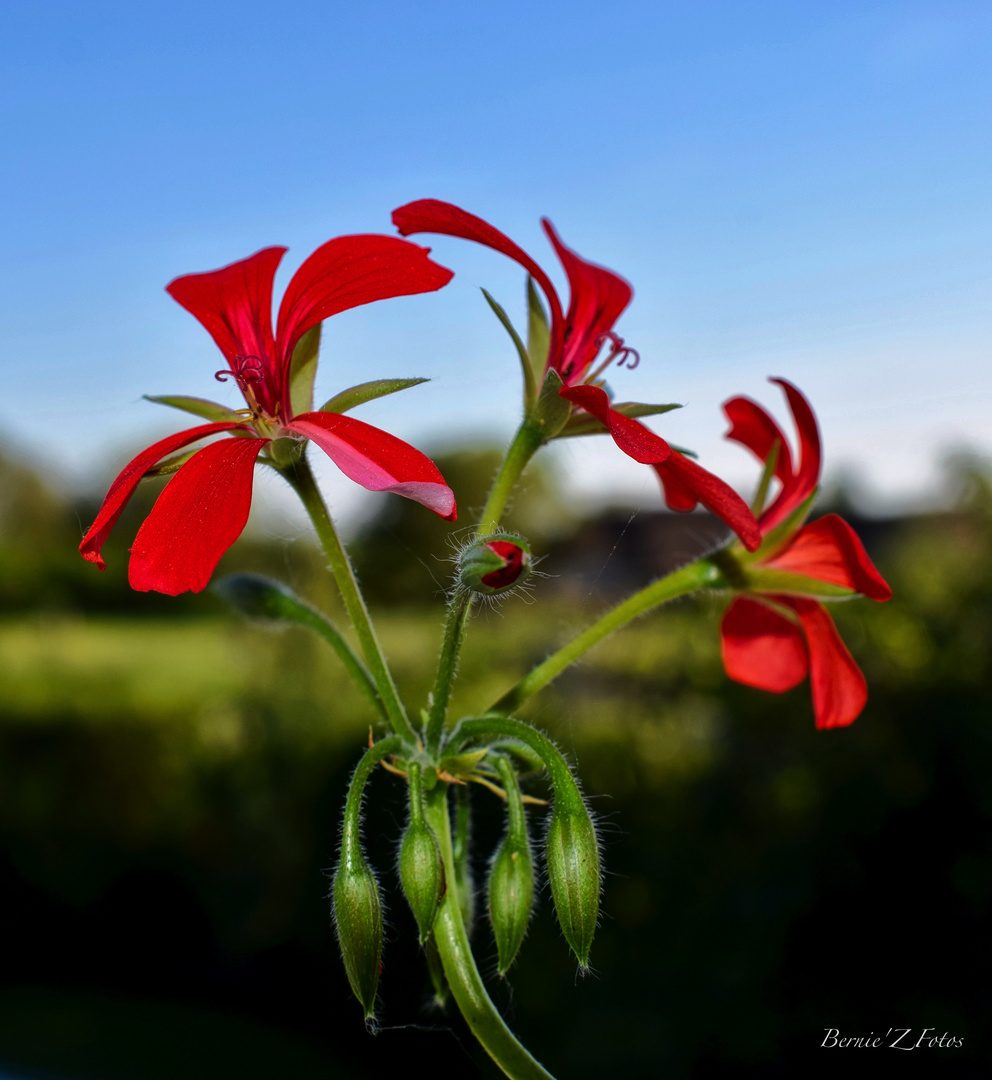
(358, 921)
(421, 869)
(511, 876)
(494, 564)
(572, 856)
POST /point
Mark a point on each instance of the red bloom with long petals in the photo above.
(577, 337)
(778, 632)
(204, 508)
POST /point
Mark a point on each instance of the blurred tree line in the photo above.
(171, 780)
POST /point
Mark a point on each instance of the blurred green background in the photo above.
(171, 778)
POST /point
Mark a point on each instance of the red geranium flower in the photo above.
(204, 508)
(777, 632)
(577, 337)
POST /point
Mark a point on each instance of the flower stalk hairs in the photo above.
(778, 569)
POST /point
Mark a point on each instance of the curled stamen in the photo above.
(617, 349)
(251, 367)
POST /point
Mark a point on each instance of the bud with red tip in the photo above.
(494, 564)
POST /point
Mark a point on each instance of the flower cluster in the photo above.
(780, 570)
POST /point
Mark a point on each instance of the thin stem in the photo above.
(447, 664)
(351, 830)
(459, 964)
(688, 579)
(317, 622)
(525, 445)
(301, 478)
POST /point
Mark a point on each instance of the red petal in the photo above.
(633, 438)
(123, 487)
(839, 688)
(198, 516)
(432, 215)
(598, 296)
(377, 460)
(754, 428)
(234, 304)
(828, 549)
(762, 648)
(693, 481)
(350, 271)
(677, 495)
(808, 469)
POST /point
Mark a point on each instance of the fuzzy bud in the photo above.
(494, 564)
(421, 869)
(572, 857)
(358, 921)
(511, 876)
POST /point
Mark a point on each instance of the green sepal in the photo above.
(530, 382)
(286, 452)
(462, 765)
(538, 332)
(781, 534)
(551, 411)
(172, 464)
(303, 371)
(761, 492)
(367, 391)
(209, 410)
(584, 424)
(760, 580)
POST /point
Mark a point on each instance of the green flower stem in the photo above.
(697, 575)
(447, 664)
(351, 830)
(459, 964)
(314, 620)
(492, 727)
(301, 478)
(525, 445)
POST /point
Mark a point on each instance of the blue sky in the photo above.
(796, 189)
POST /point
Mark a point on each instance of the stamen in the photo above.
(617, 349)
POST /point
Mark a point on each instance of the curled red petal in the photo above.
(684, 478)
(597, 299)
(762, 648)
(234, 304)
(347, 272)
(633, 438)
(377, 460)
(123, 486)
(432, 215)
(198, 516)
(839, 687)
(807, 469)
(828, 549)
(754, 428)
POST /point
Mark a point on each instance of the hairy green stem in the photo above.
(460, 969)
(351, 830)
(301, 478)
(525, 445)
(447, 664)
(316, 621)
(697, 575)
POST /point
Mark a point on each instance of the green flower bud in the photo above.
(494, 564)
(572, 857)
(421, 869)
(511, 876)
(357, 913)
